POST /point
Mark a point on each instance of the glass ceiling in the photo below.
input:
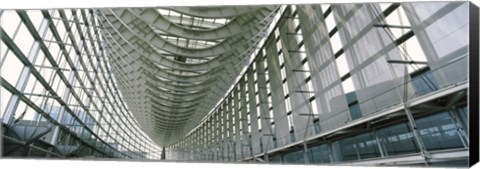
(178, 62)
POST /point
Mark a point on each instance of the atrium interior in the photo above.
(337, 84)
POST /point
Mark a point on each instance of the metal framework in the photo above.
(340, 84)
(370, 84)
(174, 64)
(59, 97)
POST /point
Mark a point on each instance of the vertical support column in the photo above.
(230, 116)
(163, 156)
(298, 94)
(278, 96)
(209, 137)
(238, 106)
(267, 133)
(254, 135)
(245, 143)
(218, 140)
(226, 138)
(312, 33)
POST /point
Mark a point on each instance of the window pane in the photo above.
(342, 65)
(367, 146)
(319, 154)
(397, 139)
(438, 132)
(296, 157)
(345, 150)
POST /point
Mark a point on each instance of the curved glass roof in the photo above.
(175, 63)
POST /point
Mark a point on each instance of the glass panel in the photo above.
(330, 22)
(336, 43)
(317, 127)
(4, 97)
(275, 159)
(397, 139)
(358, 21)
(348, 86)
(438, 132)
(397, 17)
(355, 111)
(345, 150)
(14, 67)
(36, 18)
(423, 83)
(296, 157)
(367, 146)
(425, 9)
(319, 154)
(415, 53)
(450, 32)
(290, 121)
(342, 65)
(314, 107)
(287, 104)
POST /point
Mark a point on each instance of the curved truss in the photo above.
(169, 71)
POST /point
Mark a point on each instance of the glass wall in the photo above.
(437, 131)
(297, 157)
(58, 90)
(327, 66)
(398, 139)
(319, 154)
